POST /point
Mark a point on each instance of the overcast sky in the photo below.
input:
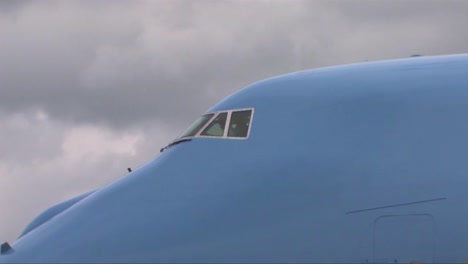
(89, 88)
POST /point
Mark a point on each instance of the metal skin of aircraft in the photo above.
(365, 162)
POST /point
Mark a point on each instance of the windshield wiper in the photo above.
(175, 142)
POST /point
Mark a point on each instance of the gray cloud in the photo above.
(12, 7)
(120, 63)
(20, 142)
(133, 62)
(148, 56)
(88, 88)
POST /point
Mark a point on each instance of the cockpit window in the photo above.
(233, 124)
(197, 125)
(216, 127)
(226, 124)
(239, 123)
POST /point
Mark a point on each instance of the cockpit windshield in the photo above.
(223, 124)
(216, 127)
(239, 124)
(232, 124)
(197, 125)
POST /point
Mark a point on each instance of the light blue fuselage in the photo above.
(325, 145)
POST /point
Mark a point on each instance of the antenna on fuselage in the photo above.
(129, 170)
(5, 248)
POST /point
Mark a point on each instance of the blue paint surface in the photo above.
(322, 143)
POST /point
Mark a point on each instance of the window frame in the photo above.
(226, 132)
(226, 126)
(199, 133)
